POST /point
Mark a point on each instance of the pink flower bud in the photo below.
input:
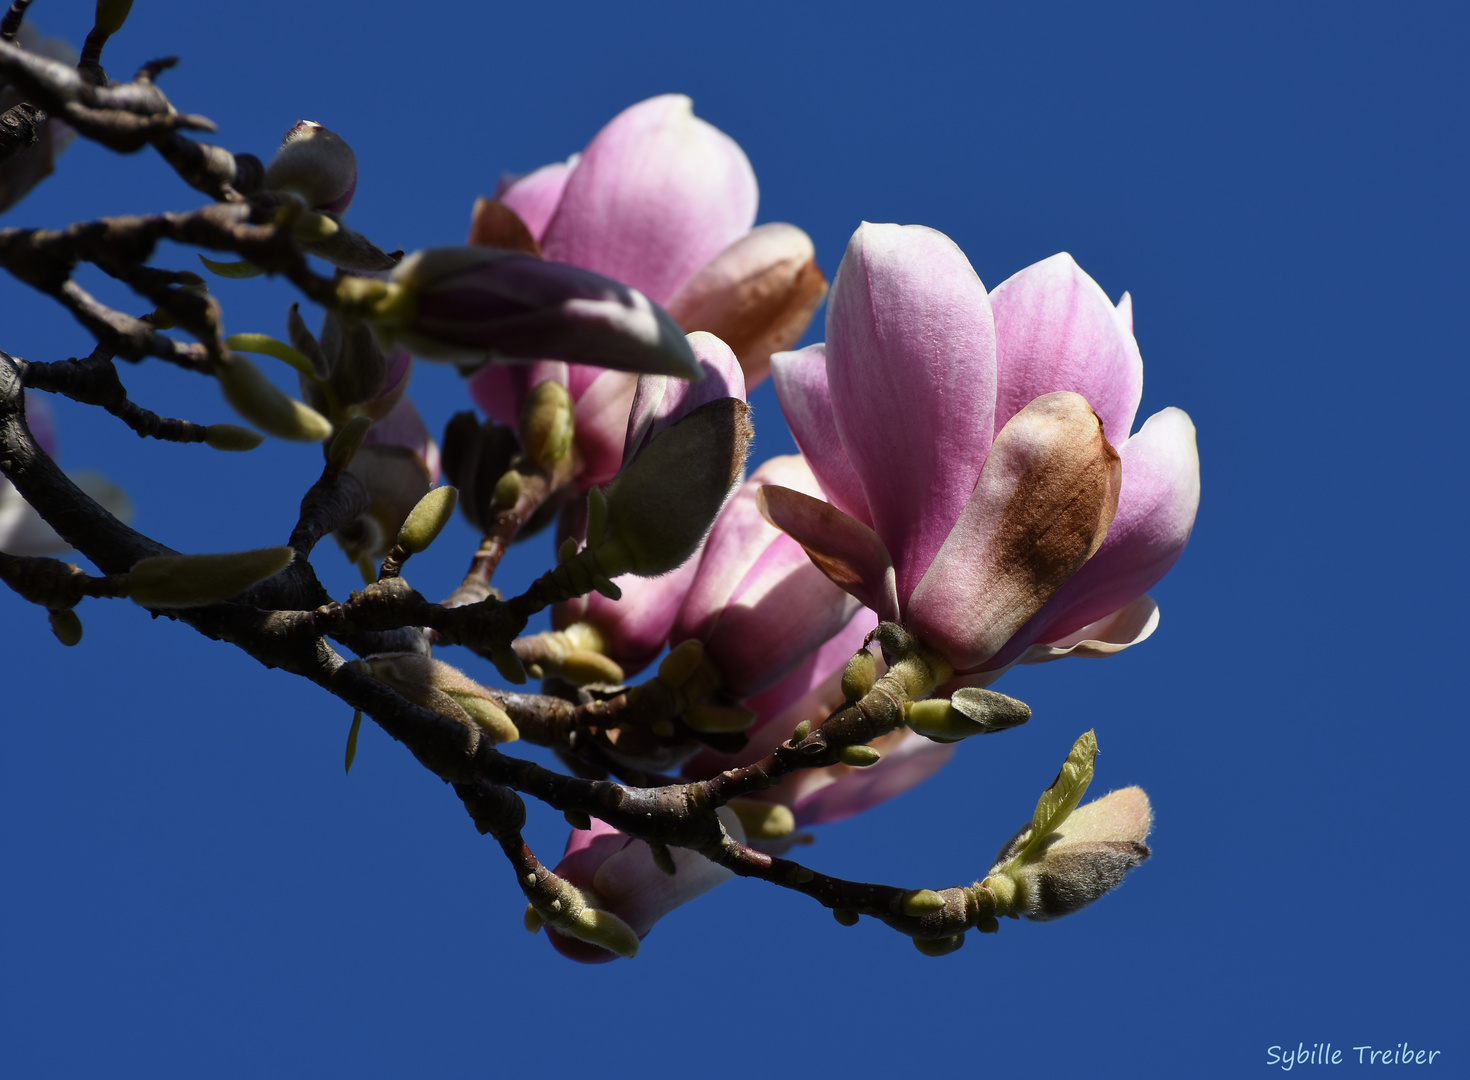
(316, 164)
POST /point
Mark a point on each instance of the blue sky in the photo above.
(192, 887)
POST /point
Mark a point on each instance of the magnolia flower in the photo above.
(619, 874)
(969, 476)
(664, 202)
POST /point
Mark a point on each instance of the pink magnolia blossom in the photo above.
(621, 876)
(960, 439)
(664, 202)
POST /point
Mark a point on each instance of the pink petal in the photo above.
(658, 193)
(661, 401)
(800, 378)
(758, 603)
(534, 197)
(635, 627)
(911, 366)
(1055, 329)
(1041, 508)
(1124, 628)
(601, 419)
(810, 692)
(1156, 510)
(908, 761)
(843, 548)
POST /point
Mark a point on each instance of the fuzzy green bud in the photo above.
(444, 689)
(860, 757)
(232, 437)
(921, 902)
(547, 424)
(662, 504)
(801, 731)
(859, 675)
(181, 581)
(427, 520)
(508, 489)
(258, 400)
(969, 712)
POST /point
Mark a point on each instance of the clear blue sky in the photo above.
(192, 887)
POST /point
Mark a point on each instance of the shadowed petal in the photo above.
(801, 386)
(1055, 329)
(1041, 508)
(661, 401)
(844, 549)
(534, 197)
(658, 193)
(911, 366)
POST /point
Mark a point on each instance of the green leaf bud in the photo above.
(445, 689)
(265, 345)
(711, 719)
(348, 441)
(234, 270)
(427, 520)
(508, 489)
(860, 757)
(509, 665)
(577, 820)
(763, 820)
(258, 400)
(598, 927)
(547, 424)
(921, 902)
(232, 437)
(970, 712)
(568, 550)
(801, 731)
(939, 946)
(111, 14)
(532, 919)
(583, 668)
(846, 916)
(181, 581)
(66, 626)
(596, 516)
(661, 505)
(859, 675)
(682, 662)
(663, 858)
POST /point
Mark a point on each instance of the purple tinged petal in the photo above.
(636, 626)
(601, 418)
(1124, 628)
(403, 427)
(661, 401)
(839, 791)
(1156, 510)
(1056, 329)
(501, 390)
(757, 602)
(1040, 509)
(847, 551)
(658, 193)
(912, 370)
(535, 196)
(800, 378)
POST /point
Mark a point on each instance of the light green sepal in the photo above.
(265, 345)
(1065, 793)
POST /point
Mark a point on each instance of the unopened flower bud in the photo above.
(181, 581)
(859, 675)
(546, 426)
(446, 690)
(971, 711)
(258, 400)
(232, 437)
(487, 304)
(316, 164)
(427, 519)
(661, 506)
